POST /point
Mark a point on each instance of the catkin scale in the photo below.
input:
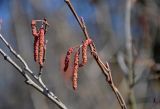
(84, 51)
(75, 71)
(67, 58)
(41, 46)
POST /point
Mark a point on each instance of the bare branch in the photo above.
(129, 48)
(129, 40)
(43, 89)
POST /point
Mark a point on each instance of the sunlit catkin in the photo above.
(41, 46)
(84, 51)
(67, 58)
(75, 71)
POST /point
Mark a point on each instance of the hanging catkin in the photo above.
(34, 29)
(41, 46)
(36, 48)
(84, 51)
(67, 58)
(36, 40)
(75, 71)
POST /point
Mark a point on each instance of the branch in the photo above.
(105, 69)
(129, 45)
(129, 48)
(43, 89)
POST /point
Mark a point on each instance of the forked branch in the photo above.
(38, 85)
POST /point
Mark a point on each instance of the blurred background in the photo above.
(107, 24)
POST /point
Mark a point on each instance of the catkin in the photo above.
(75, 71)
(84, 51)
(67, 58)
(34, 29)
(36, 40)
(41, 46)
(36, 48)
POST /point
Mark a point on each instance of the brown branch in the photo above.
(42, 87)
(105, 69)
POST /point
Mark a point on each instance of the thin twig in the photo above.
(44, 90)
(106, 71)
(129, 40)
(18, 56)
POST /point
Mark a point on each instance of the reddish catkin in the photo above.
(84, 51)
(75, 71)
(36, 48)
(67, 58)
(36, 40)
(41, 46)
(34, 29)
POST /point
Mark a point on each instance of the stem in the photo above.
(130, 53)
(106, 71)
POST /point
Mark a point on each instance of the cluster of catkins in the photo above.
(76, 60)
(39, 43)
